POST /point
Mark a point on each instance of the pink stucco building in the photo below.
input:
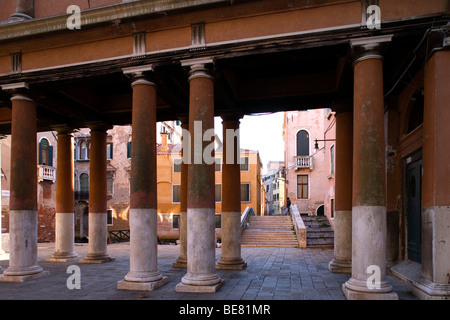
(310, 170)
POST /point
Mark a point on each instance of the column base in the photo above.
(58, 257)
(427, 290)
(141, 286)
(181, 287)
(231, 265)
(357, 290)
(199, 283)
(23, 278)
(97, 259)
(180, 263)
(339, 266)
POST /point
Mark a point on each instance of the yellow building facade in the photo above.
(169, 184)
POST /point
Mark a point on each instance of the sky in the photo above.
(263, 132)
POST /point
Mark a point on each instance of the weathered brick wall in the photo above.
(46, 211)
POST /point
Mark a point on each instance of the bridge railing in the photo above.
(246, 216)
(299, 226)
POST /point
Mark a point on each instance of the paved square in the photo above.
(272, 274)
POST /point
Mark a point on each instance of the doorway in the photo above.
(414, 209)
(320, 210)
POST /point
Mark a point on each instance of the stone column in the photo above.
(182, 259)
(64, 229)
(143, 274)
(342, 262)
(231, 197)
(2, 136)
(23, 199)
(434, 282)
(201, 275)
(97, 247)
(368, 279)
(24, 11)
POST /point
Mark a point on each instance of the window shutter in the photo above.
(40, 153)
(50, 156)
(129, 149)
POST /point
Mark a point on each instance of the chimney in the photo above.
(164, 136)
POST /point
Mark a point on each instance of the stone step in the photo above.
(318, 231)
(269, 231)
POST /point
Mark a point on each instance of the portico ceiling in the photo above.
(296, 72)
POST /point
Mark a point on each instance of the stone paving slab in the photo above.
(272, 274)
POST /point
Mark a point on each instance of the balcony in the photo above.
(303, 162)
(46, 173)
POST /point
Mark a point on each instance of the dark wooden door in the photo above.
(414, 209)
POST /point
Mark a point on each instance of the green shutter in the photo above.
(50, 156)
(40, 153)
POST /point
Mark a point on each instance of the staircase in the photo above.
(319, 232)
(269, 231)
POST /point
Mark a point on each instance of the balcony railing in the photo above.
(46, 173)
(303, 162)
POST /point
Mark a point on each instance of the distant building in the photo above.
(274, 184)
(307, 169)
(168, 179)
(118, 180)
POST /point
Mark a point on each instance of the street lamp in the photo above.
(316, 144)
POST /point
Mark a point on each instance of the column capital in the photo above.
(231, 116)
(438, 40)
(18, 90)
(184, 119)
(64, 129)
(140, 74)
(199, 67)
(342, 106)
(98, 126)
(369, 47)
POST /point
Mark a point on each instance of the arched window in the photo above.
(84, 183)
(83, 150)
(302, 143)
(45, 153)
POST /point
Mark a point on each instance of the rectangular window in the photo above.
(176, 165)
(110, 183)
(129, 149)
(218, 162)
(332, 159)
(175, 221)
(302, 186)
(244, 163)
(245, 192)
(109, 217)
(218, 192)
(218, 221)
(332, 208)
(176, 193)
(109, 151)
